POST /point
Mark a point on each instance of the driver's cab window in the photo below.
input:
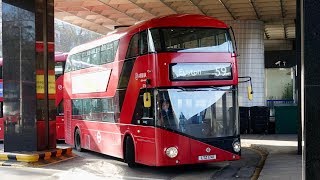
(144, 115)
(166, 115)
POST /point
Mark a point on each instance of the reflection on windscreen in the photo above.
(201, 113)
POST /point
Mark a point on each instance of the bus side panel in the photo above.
(190, 151)
(69, 126)
(106, 138)
(145, 145)
(59, 118)
(59, 90)
(140, 72)
(201, 149)
(100, 137)
(60, 127)
(166, 139)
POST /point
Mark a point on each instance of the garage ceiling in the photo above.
(103, 16)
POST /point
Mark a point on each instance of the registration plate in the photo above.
(207, 157)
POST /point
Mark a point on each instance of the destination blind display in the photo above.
(200, 71)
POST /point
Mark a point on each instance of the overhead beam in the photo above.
(255, 9)
(141, 7)
(224, 5)
(106, 3)
(283, 16)
(98, 14)
(168, 5)
(196, 5)
(87, 21)
(258, 17)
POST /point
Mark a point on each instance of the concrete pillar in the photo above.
(28, 73)
(310, 86)
(250, 40)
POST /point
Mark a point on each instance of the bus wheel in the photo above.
(129, 152)
(77, 140)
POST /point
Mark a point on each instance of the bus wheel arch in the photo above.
(129, 151)
(77, 139)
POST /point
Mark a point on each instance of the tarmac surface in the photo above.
(264, 157)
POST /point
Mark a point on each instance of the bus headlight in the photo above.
(172, 152)
(236, 146)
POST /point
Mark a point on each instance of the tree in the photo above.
(68, 36)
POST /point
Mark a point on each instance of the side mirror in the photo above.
(250, 93)
(146, 100)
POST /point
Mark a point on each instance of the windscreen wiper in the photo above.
(221, 89)
(191, 89)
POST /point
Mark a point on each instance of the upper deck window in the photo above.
(133, 49)
(191, 39)
(102, 54)
(139, 45)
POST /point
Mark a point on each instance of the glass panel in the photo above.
(58, 69)
(76, 62)
(201, 112)
(155, 38)
(85, 59)
(192, 39)
(109, 52)
(60, 109)
(143, 43)
(94, 106)
(87, 109)
(107, 110)
(77, 107)
(95, 56)
(96, 109)
(86, 106)
(133, 49)
(115, 47)
(103, 54)
(142, 115)
(125, 74)
(68, 66)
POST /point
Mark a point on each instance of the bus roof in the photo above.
(179, 20)
(174, 20)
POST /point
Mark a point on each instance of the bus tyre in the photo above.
(77, 140)
(129, 153)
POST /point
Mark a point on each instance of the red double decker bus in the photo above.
(60, 59)
(160, 93)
